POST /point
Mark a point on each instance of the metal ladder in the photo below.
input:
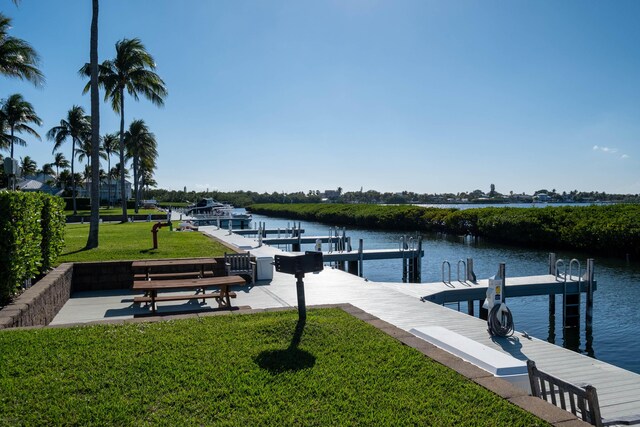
(570, 296)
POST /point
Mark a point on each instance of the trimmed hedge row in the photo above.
(31, 238)
(610, 229)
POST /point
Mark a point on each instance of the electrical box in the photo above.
(310, 262)
(11, 166)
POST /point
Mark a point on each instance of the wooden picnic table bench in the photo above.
(152, 287)
(144, 269)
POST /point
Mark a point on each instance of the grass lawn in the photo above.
(115, 211)
(235, 370)
(129, 241)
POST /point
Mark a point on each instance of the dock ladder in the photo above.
(571, 294)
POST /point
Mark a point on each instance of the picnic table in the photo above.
(222, 294)
(199, 266)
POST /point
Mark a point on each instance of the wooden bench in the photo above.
(236, 264)
(155, 268)
(582, 402)
(200, 285)
(217, 295)
(171, 276)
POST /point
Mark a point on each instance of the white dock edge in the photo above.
(499, 364)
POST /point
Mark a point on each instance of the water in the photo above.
(615, 337)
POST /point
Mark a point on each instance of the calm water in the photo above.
(615, 337)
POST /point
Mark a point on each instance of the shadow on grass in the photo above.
(290, 359)
(75, 252)
(148, 251)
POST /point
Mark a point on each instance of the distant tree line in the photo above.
(246, 198)
(609, 229)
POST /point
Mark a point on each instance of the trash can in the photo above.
(264, 268)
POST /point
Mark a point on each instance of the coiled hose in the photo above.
(503, 326)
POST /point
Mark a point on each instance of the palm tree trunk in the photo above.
(94, 222)
(12, 178)
(109, 180)
(73, 177)
(122, 192)
(135, 179)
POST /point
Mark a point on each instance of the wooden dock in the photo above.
(268, 231)
(303, 240)
(457, 291)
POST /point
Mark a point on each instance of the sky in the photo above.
(424, 96)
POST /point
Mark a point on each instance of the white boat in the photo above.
(205, 207)
(210, 212)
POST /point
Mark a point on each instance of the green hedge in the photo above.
(609, 229)
(53, 227)
(31, 238)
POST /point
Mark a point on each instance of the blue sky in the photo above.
(425, 96)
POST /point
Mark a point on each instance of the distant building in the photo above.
(542, 198)
(28, 184)
(104, 190)
(331, 194)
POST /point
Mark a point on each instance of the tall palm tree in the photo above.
(17, 57)
(109, 146)
(59, 161)
(28, 165)
(141, 146)
(94, 222)
(132, 69)
(76, 126)
(18, 114)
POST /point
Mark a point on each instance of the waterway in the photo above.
(615, 337)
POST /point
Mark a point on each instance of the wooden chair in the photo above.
(240, 264)
(581, 402)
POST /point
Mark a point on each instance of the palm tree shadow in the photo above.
(290, 359)
(75, 252)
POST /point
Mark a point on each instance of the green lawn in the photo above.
(115, 211)
(235, 370)
(129, 241)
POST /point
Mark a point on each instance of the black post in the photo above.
(302, 307)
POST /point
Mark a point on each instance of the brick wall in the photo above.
(39, 304)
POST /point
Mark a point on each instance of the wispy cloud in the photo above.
(605, 149)
(609, 150)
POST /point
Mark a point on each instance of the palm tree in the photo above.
(28, 165)
(109, 146)
(47, 169)
(64, 179)
(84, 150)
(147, 180)
(141, 147)
(59, 161)
(76, 126)
(5, 138)
(131, 69)
(17, 57)
(18, 113)
(94, 222)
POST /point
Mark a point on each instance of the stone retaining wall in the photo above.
(39, 304)
(117, 218)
